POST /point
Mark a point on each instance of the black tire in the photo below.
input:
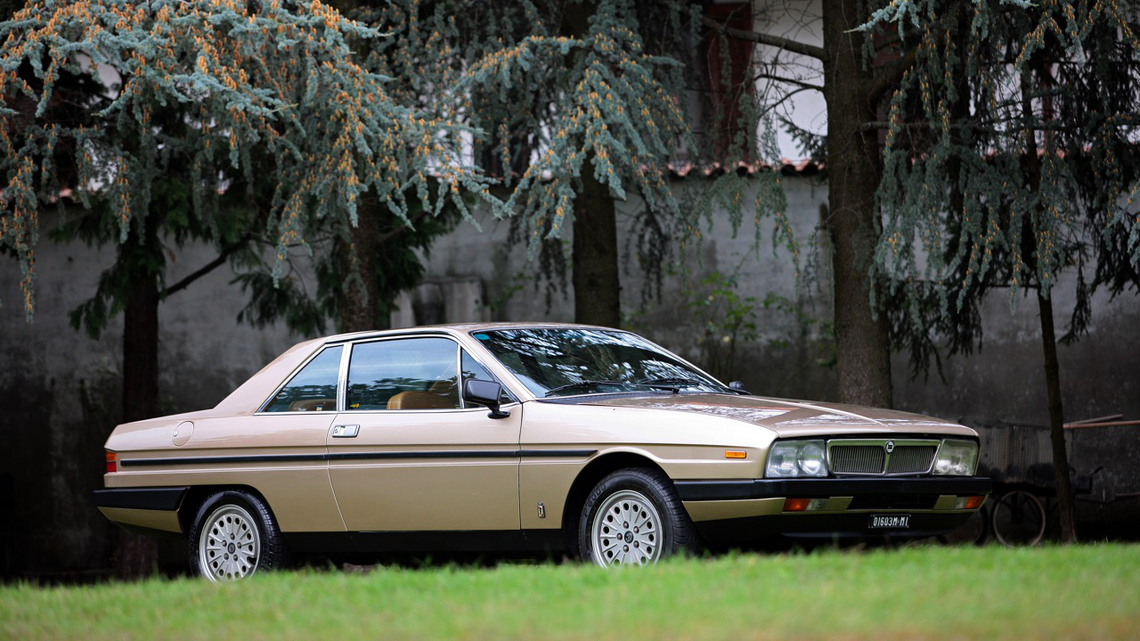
(245, 525)
(626, 496)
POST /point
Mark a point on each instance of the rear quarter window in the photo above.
(313, 389)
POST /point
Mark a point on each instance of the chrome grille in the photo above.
(857, 459)
(871, 456)
(911, 459)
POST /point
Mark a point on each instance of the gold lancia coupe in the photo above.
(521, 437)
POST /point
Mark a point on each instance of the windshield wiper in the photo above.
(675, 383)
(585, 383)
(670, 382)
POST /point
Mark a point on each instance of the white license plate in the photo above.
(889, 522)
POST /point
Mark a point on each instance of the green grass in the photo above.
(1069, 592)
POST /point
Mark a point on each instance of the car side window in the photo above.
(313, 389)
(404, 374)
(472, 369)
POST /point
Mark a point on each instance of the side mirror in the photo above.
(738, 386)
(485, 393)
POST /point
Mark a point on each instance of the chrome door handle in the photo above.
(345, 431)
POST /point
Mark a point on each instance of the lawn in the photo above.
(1090, 591)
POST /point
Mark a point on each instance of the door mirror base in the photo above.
(485, 393)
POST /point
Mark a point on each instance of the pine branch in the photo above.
(229, 250)
(785, 98)
(787, 44)
(976, 126)
(791, 81)
(892, 75)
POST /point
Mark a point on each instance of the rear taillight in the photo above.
(112, 462)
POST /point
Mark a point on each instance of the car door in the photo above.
(406, 455)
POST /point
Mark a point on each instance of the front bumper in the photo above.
(746, 509)
(820, 488)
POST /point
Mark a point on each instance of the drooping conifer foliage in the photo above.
(616, 111)
(1012, 158)
(1012, 151)
(576, 110)
(264, 95)
(238, 125)
(583, 103)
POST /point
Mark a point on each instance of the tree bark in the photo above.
(1031, 165)
(137, 556)
(140, 349)
(597, 288)
(1057, 421)
(359, 297)
(853, 162)
(596, 280)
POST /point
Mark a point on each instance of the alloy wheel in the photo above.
(230, 545)
(626, 530)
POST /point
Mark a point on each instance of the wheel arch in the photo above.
(197, 495)
(595, 471)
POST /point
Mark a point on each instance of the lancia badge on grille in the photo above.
(890, 446)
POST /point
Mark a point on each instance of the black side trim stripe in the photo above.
(357, 456)
(211, 460)
(159, 498)
(556, 453)
(765, 488)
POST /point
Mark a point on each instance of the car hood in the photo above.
(788, 417)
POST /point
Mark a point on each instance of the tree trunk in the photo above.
(596, 282)
(853, 161)
(359, 297)
(1057, 421)
(140, 350)
(137, 556)
(1031, 166)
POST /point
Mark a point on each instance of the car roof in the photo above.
(250, 395)
(458, 328)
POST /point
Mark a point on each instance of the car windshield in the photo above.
(572, 361)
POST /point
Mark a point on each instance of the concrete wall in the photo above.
(60, 395)
(59, 388)
(791, 357)
(782, 359)
(1100, 373)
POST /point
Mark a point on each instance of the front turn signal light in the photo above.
(112, 462)
(796, 505)
(735, 454)
(804, 505)
(969, 502)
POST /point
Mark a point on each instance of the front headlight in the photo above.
(956, 458)
(789, 459)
